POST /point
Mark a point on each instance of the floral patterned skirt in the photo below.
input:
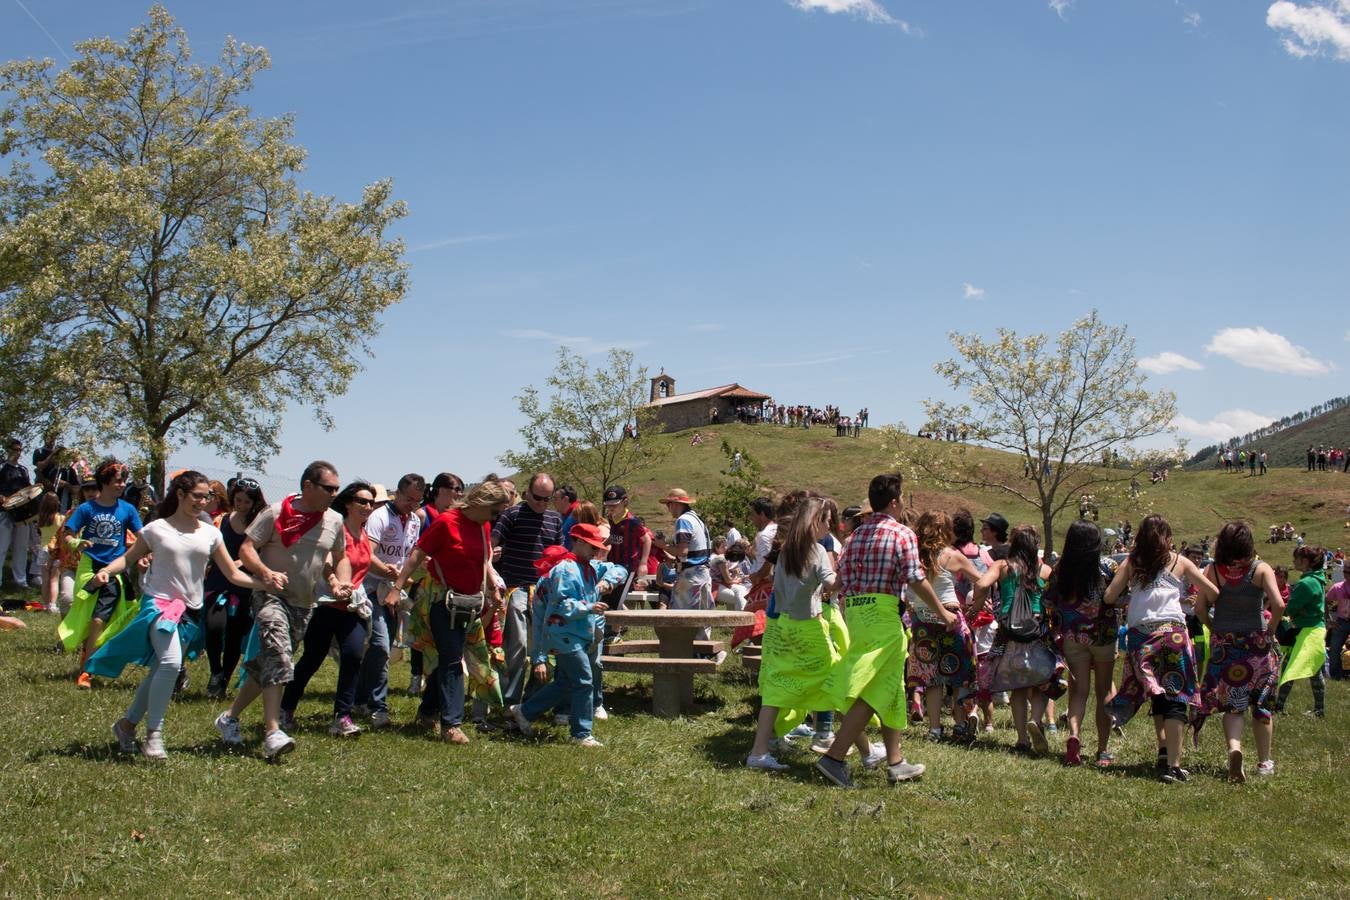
(1158, 661)
(938, 657)
(1243, 673)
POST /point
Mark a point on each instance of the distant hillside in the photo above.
(1195, 502)
(1289, 446)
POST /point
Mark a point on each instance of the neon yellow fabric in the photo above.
(796, 659)
(1305, 658)
(873, 669)
(74, 628)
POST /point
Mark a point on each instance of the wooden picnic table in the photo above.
(674, 666)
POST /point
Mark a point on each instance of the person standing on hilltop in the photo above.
(1312, 457)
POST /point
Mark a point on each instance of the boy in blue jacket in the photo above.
(572, 591)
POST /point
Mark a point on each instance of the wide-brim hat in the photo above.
(678, 495)
(381, 493)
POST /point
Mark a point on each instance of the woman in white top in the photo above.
(941, 659)
(167, 627)
(1159, 658)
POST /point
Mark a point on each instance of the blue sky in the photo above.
(805, 196)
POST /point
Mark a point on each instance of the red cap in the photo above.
(591, 534)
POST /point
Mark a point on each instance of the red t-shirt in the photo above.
(458, 548)
(358, 554)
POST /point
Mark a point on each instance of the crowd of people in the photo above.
(878, 613)
(1322, 458)
(1235, 459)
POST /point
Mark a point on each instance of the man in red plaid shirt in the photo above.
(879, 562)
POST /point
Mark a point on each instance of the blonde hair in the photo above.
(485, 496)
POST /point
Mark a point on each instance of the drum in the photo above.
(22, 505)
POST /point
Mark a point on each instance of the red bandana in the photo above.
(291, 523)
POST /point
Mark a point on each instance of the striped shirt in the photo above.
(523, 534)
(881, 557)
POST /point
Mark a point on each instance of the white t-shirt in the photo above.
(391, 540)
(179, 562)
(763, 544)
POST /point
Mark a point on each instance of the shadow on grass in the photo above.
(108, 752)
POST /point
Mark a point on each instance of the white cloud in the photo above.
(586, 346)
(971, 292)
(1227, 424)
(867, 10)
(1191, 20)
(1311, 27)
(1257, 348)
(1167, 361)
(461, 239)
(707, 327)
(1061, 7)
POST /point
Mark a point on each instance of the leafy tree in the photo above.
(739, 487)
(161, 272)
(579, 431)
(1060, 407)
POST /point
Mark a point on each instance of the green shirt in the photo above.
(1307, 601)
(1007, 590)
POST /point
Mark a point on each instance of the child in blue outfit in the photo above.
(571, 598)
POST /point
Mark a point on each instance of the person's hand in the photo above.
(342, 590)
(496, 553)
(101, 578)
(603, 588)
(498, 601)
(277, 581)
(393, 597)
(640, 584)
(600, 606)
(949, 619)
(143, 563)
(541, 673)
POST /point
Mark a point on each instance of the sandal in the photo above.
(1105, 759)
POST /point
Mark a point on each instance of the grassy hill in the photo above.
(1195, 502)
(1289, 448)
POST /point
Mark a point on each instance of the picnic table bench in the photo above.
(678, 657)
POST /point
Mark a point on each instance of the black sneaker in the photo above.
(182, 684)
(1160, 765)
(835, 770)
(1176, 775)
(215, 688)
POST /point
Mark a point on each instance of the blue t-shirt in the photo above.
(105, 528)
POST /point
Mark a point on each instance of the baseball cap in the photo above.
(615, 493)
(591, 534)
(996, 522)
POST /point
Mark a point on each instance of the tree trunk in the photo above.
(157, 466)
(1047, 529)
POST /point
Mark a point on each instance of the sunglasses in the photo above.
(539, 499)
(247, 484)
(330, 489)
(363, 501)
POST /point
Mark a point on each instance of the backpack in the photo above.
(1021, 622)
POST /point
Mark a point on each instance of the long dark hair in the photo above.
(253, 491)
(1078, 573)
(183, 481)
(1024, 546)
(1151, 550)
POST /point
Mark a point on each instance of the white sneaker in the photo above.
(228, 726)
(587, 741)
(1266, 768)
(379, 719)
(519, 718)
(126, 740)
(903, 771)
(601, 713)
(765, 762)
(277, 744)
(720, 657)
(876, 755)
(801, 731)
(153, 748)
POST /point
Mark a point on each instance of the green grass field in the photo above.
(665, 807)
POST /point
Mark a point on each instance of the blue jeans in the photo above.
(372, 688)
(444, 695)
(571, 682)
(1340, 630)
(596, 651)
